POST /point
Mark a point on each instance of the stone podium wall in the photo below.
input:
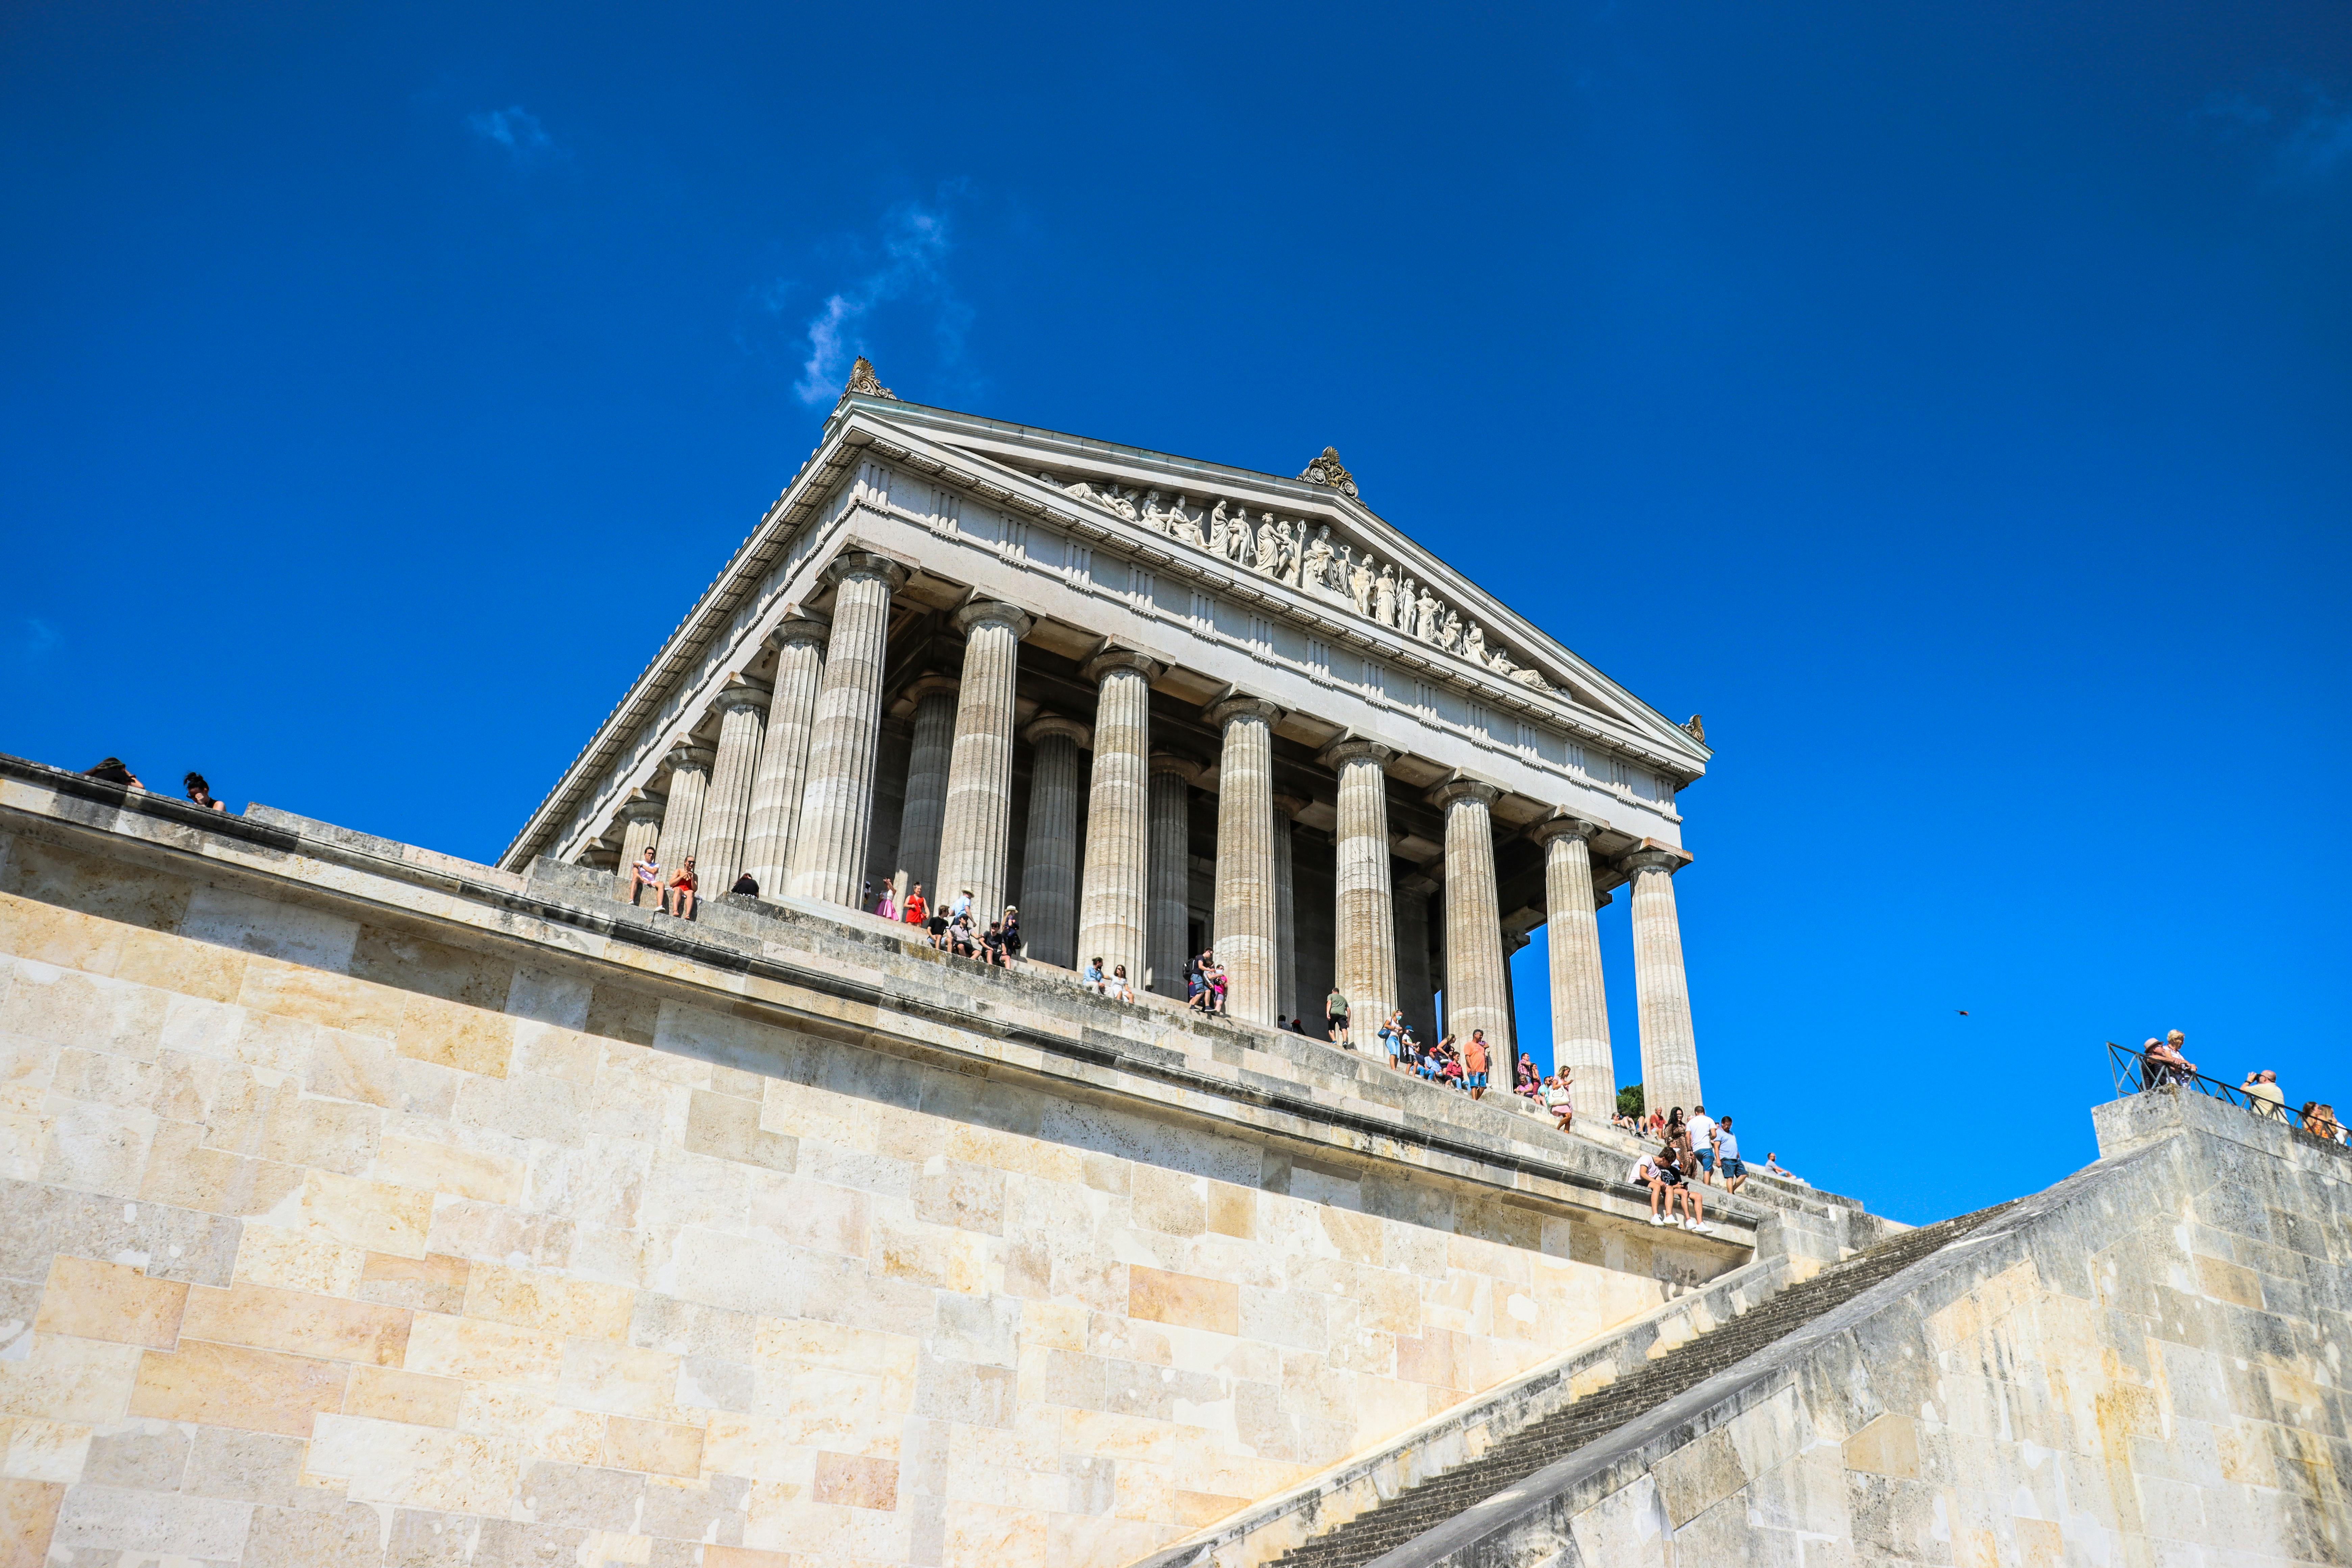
(356, 1217)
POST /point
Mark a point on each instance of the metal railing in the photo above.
(2135, 1074)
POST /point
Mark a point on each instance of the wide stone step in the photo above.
(1423, 1508)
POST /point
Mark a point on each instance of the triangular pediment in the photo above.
(1311, 536)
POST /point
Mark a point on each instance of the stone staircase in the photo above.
(1423, 1508)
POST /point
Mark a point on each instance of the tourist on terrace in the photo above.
(962, 908)
(1528, 1082)
(991, 945)
(1694, 1202)
(750, 888)
(1196, 982)
(1650, 1171)
(1474, 1065)
(1092, 976)
(937, 926)
(1391, 1036)
(1118, 985)
(109, 770)
(1702, 1142)
(1215, 976)
(1559, 1098)
(1297, 1028)
(679, 901)
(646, 877)
(1334, 1014)
(1012, 931)
(2165, 1064)
(1727, 1157)
(2262, 1088)
(916, 913)
(202, 793)
(1452, 1073)
(2319, 1120)
(887, 905)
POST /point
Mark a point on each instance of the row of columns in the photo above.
(787, 794)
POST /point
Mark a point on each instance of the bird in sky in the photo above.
(1963, 1011)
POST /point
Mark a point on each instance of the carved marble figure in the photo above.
(1360, 584)
(1384, 597)
(1269, 548)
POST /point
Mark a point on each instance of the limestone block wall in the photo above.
(360, 1217)
(2145, 1364)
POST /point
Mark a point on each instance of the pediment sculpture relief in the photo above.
(1283, 550)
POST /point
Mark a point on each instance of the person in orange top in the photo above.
(681, 891)
(916, 913)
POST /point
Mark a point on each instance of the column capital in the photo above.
(740, 693)
(1654, 856)
(642, 807)
(1185, 768)
(687, 754)
(806, 627)
(932, 685)
(1116, 659)
(1356, 748)
(866, 563)
(1455, 789)
(994, 611)
(1047, 725)
(1290, 806)
(1241, 707)
(1562, 823)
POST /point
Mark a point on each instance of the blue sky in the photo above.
(1953, 403)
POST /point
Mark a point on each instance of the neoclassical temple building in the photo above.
(1161, 705)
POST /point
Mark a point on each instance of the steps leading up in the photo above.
(1425, 1507)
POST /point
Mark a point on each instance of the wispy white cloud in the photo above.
(517, 131)
(2309, 140)
(899, 280)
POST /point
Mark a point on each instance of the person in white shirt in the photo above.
(1702, 1137)
(1646, 1173)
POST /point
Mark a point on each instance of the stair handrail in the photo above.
(2135, 1074)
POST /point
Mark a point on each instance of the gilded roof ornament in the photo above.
(862, 382)
(1327, 469)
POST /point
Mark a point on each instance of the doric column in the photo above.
(927, 780)
(1475, 994)
(1244, 935)
(1416, 992)
(1363, 946)
(1286, 808)
(974, 831)
(641, 816)
(1113, 909)
(681, 828)
(784, 754)
(1049, 865)
(1579, 1003)
(742, 709)
(1660, 990)
(1168, 926)
(837, 802)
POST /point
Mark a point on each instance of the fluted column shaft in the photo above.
(1477, 989)
(1168, 924)
(1364, 915)
(975, 831)
(1580, 1002)
(1245, 906)
(1114, 913)
(837, 802)
(1661, 989)
(727, 811)
(784, 754)
(640, 827)
(1049, 863)
(927, 781)
(681, 828)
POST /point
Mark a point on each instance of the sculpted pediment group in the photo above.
(1304, 555)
